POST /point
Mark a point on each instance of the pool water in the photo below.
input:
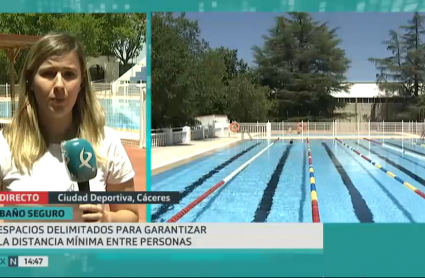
(275, 187)
(120, 113)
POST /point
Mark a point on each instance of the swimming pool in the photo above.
(275, 187)
(120, 113)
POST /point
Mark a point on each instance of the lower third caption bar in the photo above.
(163, 197)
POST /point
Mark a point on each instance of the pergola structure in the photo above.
(12, 44)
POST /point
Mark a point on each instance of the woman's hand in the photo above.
(94, 213)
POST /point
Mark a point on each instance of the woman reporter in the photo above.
(55, 104)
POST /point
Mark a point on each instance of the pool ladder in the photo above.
(423, 136)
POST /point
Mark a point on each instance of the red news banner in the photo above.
(76, 197)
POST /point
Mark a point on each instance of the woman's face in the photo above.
(56, 85)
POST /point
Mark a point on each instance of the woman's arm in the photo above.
(123, 212)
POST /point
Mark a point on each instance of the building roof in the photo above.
(361, 90)
(8, 41)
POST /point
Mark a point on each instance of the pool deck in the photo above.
(165, 158)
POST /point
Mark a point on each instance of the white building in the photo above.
(366, 92)
(366, 102)
(103, 69)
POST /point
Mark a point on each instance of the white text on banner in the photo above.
(165, 236)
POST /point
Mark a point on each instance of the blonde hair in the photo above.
(26, 142)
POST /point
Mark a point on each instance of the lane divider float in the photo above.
(373, 141)
(405, 183)
(409, 139)
(207, 193)
(385, 146)
(397, 149)
(313, 192)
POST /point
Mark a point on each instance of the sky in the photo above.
(362, 34)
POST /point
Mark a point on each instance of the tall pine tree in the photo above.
(402, 73)
(301, 61)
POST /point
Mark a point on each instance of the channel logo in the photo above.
(8, 261)
(3, 261)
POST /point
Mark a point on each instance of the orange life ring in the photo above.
(234, 127)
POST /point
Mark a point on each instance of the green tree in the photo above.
(22, 24)
(206, 80)
(247, 101)
(173, 41)
(414, 50)
(189, 73)
(121, 35)
(302, 62)
(402, 73)
(86, 27)
(125, 36)
(195, 80)
(390, 78)
(234, 66)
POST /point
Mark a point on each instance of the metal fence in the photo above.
(124, 106)
(333, 129)
(295, 130)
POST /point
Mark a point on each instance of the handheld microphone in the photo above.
(81, 162)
